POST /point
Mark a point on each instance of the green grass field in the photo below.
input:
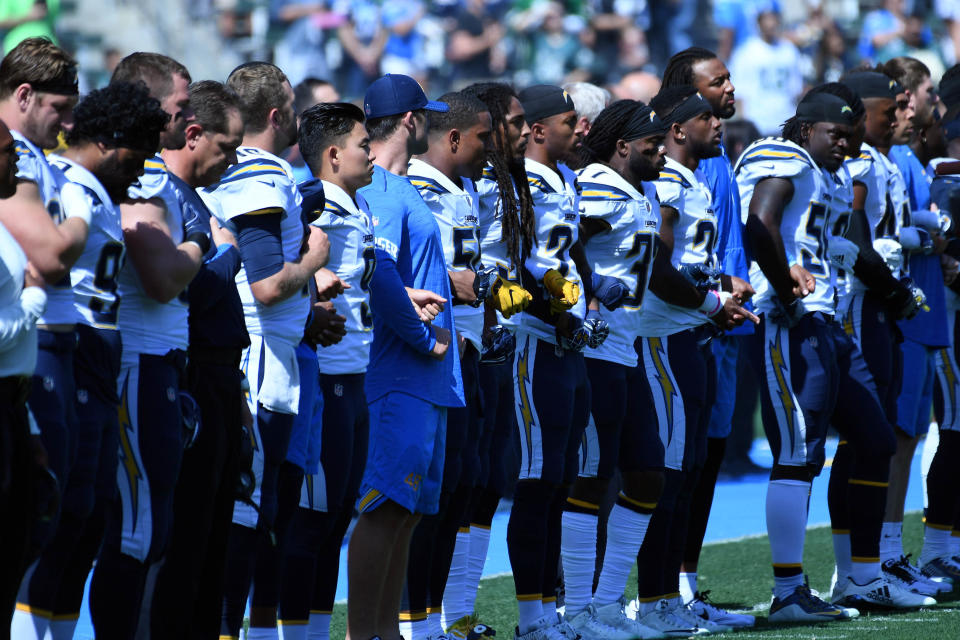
(738, 577)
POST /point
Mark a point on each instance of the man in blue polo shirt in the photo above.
(413, 375)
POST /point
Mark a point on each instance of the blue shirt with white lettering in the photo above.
(409, 246)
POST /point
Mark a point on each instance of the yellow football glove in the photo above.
(510, 298)
(564, 294)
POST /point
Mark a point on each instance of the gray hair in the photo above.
(589, 99)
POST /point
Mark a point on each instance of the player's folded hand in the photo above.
(327, 327)
(907, 300)
(786, 315)
(442, 344)
(598, 328)
(609, 291)
(329, 285)
(427, 304)
(563, 293)
(498, 345)
(509, 298)
(571, 333)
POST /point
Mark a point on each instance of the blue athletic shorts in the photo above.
(915, 403)
(726, 350)
(405, 455)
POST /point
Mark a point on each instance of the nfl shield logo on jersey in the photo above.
(338, 390)
(82, 396)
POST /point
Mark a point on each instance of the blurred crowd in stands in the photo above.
(773, 48)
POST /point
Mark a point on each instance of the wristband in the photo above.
(712, 304)
(200, 239)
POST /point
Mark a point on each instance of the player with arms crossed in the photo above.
(165, 248)
(444, 176)
(115, 131)
(873, 297)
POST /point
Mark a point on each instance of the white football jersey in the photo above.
(804, 220)
(457, 214)
(694, 242)
(350, 229)
(32, 165)
(897, 213)
(149, 326)
(261, 180)
(838, 221)
(493, 246)
(94, 275)
(624, 251)
(870, 170)
(556, 206)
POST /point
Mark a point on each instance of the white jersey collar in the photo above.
(418, 167)
(82, 175)
(334, 193)
(614, 179)
(553, 178)
(688, 175)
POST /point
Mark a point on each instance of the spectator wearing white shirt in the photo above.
(769, 75)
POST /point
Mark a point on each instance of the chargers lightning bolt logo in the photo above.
(526, 410)
(780, 371)
(126, 450)
(666, 383)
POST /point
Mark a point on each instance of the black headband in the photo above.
(65, 85)
(644, 122)
(691, 107)
(544, 100)
(872, 84)
(824, 107)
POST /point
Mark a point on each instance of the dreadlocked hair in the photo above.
(792, 130)
(601, 142)
(514, 199)
(679, 69)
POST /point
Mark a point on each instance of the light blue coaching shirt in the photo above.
(408, 237)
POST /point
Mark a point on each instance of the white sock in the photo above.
(625, 532)
(319, 626)
(864, 572)
(688, 586)
(578, 548)
(28, 626)
(936, 543)
(62, 629)
(414, 629)
(479, 543)
(454, 600)
(262, 633)
(841, 552)
(786, 510)
(891, 541)
(292, 631)
(643, 608)
(955, 543)
(434, 622)
(529, 613)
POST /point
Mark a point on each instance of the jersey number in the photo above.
(813, 261)
(105, 279)
(561, 237)
(642, 250)
(466, 248)
(705, 237)
(369, 265)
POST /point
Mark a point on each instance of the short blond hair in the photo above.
(260, 87)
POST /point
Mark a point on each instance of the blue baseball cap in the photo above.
(394, 93)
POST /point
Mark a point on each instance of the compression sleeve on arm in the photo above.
(258, 239)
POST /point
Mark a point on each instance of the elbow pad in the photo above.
(891, 251)
(842, 253)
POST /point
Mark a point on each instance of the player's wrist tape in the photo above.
(712, 303)
(73, 202)
(201, 239)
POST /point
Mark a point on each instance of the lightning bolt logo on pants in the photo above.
(126, 450)
(780, 371)
(666, 383)
(523, 380)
